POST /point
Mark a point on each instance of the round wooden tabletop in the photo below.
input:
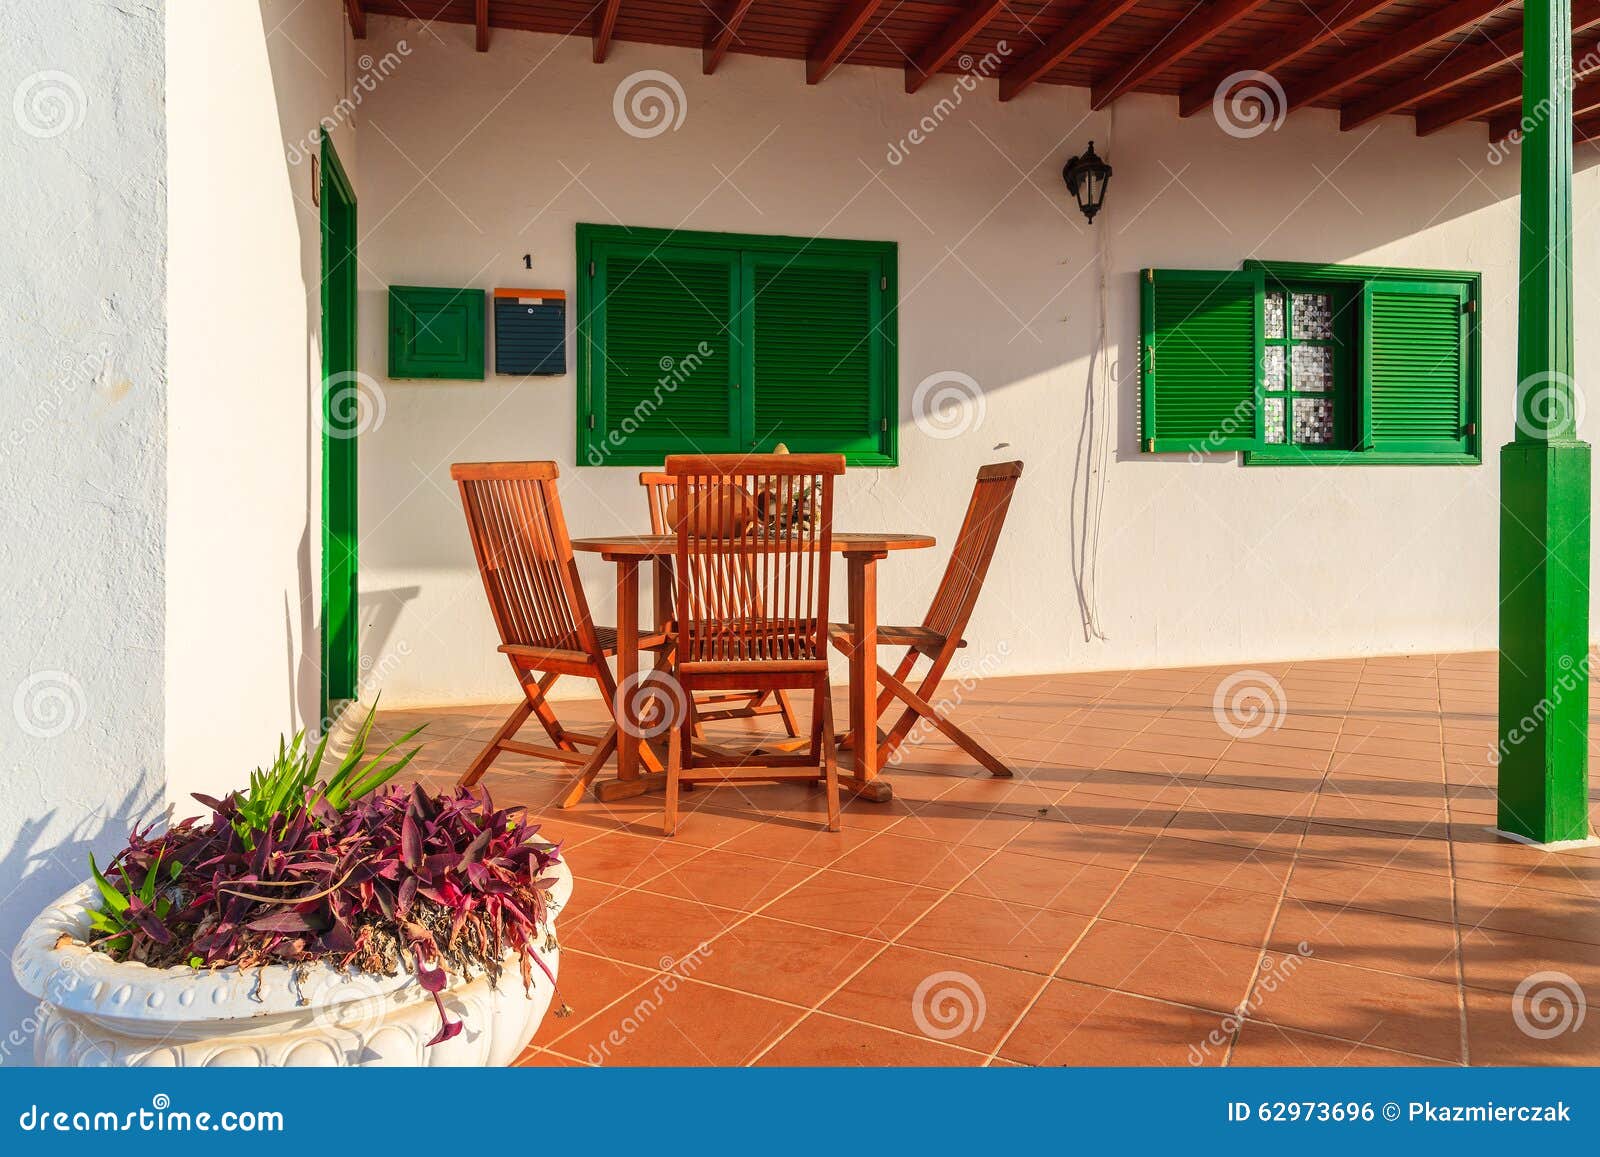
(654, 545)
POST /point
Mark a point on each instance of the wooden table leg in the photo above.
(862, 570)
(627, 663)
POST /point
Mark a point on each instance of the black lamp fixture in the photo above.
(1086, 177)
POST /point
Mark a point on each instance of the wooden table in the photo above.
(861, 554)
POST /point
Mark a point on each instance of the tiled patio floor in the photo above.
(1145, 874)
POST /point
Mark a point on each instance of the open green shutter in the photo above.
(663, 352)
(816, 353)
(1200, 359)
(1416, 360)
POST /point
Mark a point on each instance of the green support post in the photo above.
(1544, 478)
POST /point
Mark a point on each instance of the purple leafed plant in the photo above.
(434, 884)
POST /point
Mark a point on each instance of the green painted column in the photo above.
(1544, 478)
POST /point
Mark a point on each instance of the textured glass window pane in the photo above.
(1272, 367)
(1313, 367)
(1313, 420)
(1313, 316)
(1274, 419)
(1274, 314)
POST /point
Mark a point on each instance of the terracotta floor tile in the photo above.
(588, 985)
(1042, 882)
(1261, 1044)
(1030, 939)
(944, 998)
(1100, 847)
(648, 930)
(926, 863)
(959, 824)
(799, 843)
(1208, 862)
(1500, 960)
(855, 905)
(1166, 965)
(828, 1041)
(674, 1021)
(627, 860)
(1378, 1009)
(1423, 849)
(1196, 909)
(729, 880)
(1548, 1031)
(1075, 1024)
(1375, 889)
(787, 962)
(1366, 939)
(1528, 910)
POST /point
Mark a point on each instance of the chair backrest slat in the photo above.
(519, 537)
(974, 548)
(754, 540)
(659, 489)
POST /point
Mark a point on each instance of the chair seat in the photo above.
(648, 640)
(924, 639)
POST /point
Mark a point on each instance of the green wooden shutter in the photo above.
(815, 353)
(1200, 359)
(1416, 367)
(661, 339)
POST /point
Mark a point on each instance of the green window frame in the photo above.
(694, 342)
(1387, 370)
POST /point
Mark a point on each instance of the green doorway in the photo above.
(341, 407)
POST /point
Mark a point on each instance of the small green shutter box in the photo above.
(813, 357)
(1416, 353)
(436, 333)
(1199, 359)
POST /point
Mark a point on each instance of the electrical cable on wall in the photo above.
(1094, 437)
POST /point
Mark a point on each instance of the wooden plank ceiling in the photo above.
(1441, 62)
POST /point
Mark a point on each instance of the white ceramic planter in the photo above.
(94, 1011)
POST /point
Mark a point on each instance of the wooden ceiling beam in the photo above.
(604, 29)
(1585, 99)
(951, 39)
(1504, 92)
(1459, 68)
(480, 17)
(1073, 35)
(828, 51)
(1392, 48)
(1191, 33)
(357, 11)
(721, 31)
(1273, 54)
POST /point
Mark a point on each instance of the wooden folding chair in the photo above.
(519, 536)
(939, 636)
(752, 568)
(660, 491)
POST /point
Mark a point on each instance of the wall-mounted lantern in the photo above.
(1086, 177)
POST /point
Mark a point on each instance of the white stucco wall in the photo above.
(248, 83)
(470, 161)
(83, 442)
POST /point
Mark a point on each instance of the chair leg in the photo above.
(669, 817)
(786, 709)
(917, 705)
(830, 761)
(589, 770)
(480, 763)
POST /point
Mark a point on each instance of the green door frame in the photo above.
(340, 641)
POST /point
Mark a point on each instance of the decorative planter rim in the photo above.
(78, 979)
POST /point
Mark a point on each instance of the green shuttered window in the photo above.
(709, 342)
(1300, 364)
